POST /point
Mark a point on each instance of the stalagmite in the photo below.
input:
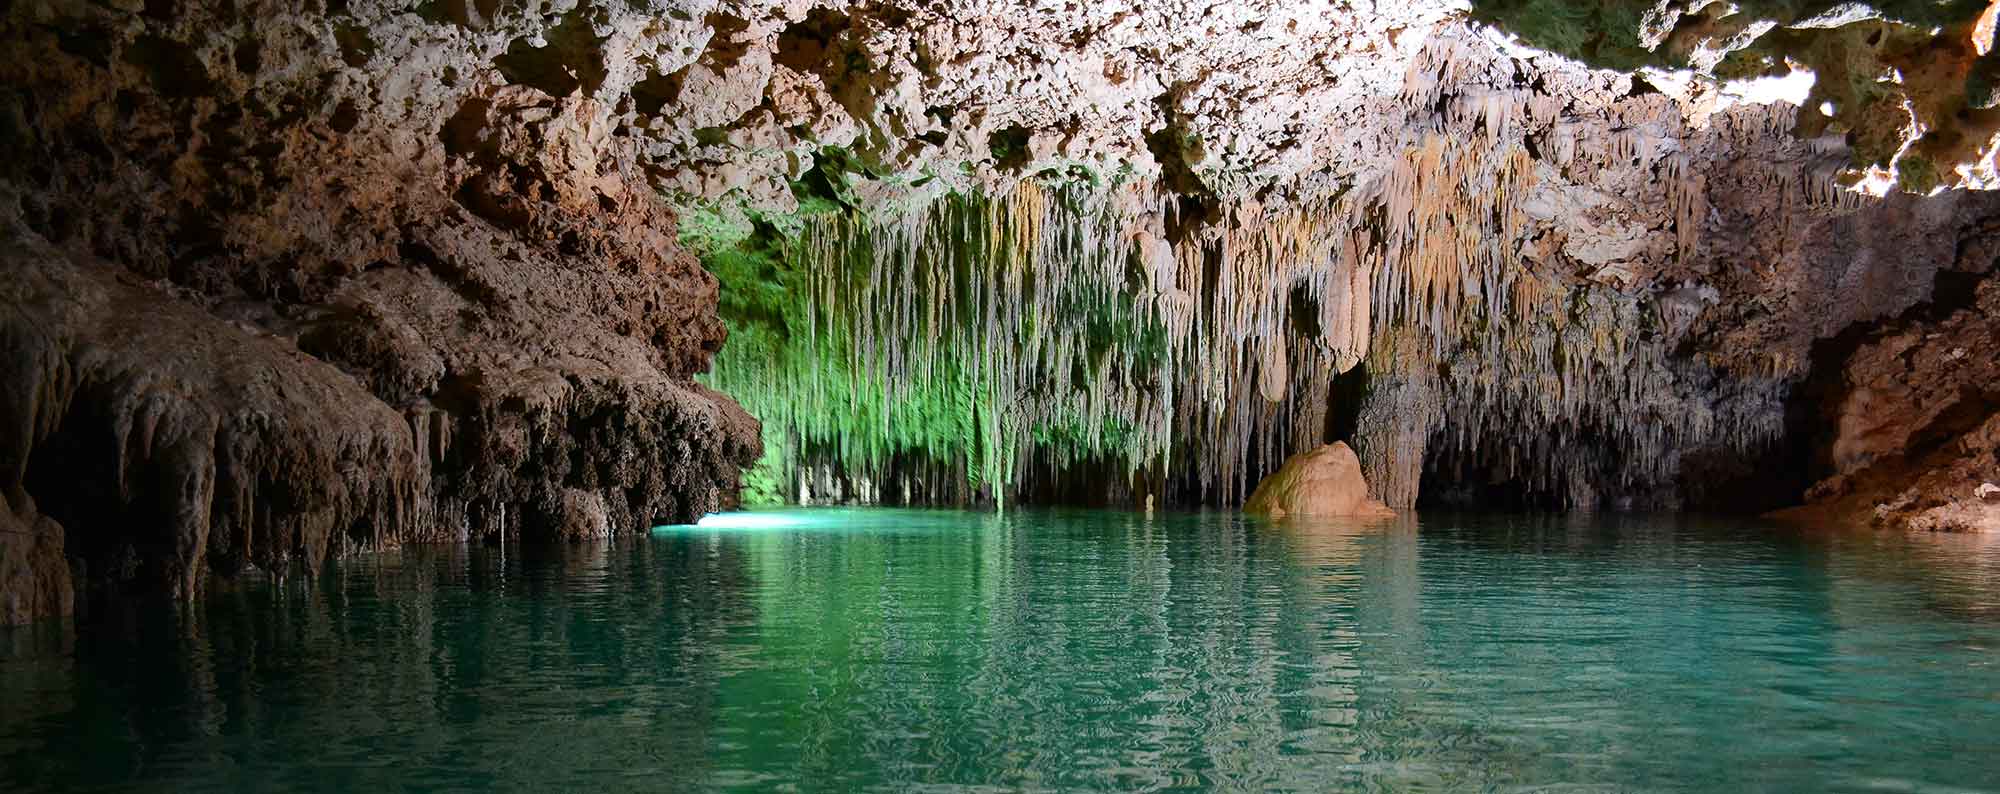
(1325, 482)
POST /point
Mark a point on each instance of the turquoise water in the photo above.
(869, 650)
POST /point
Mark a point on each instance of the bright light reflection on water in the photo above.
(827, 519)
(745, 520)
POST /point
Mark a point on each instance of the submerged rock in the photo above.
(1323, 482)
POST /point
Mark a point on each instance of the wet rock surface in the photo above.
(34, 571)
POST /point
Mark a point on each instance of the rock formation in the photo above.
(295, 278)
(1554, 281)
(284, 282)
(1318, 483)
(1915, 411)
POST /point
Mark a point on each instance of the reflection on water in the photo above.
(834, 650)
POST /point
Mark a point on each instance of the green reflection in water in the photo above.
(837, 650)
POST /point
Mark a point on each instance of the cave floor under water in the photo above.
(893, 650)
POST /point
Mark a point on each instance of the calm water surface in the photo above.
(874, 650)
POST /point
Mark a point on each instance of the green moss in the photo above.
(707, 228)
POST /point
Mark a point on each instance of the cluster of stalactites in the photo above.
(1068, 319)
(1069, 323)
(1577, 402)
(1064, 319)
(1498, 369)
(1451, 225)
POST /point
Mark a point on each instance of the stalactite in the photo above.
(1051, 318)
(1687, 198)
(1001, 336)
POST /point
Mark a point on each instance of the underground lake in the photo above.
(1061, 650)
(990, 396)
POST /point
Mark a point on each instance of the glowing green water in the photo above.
(901, 651)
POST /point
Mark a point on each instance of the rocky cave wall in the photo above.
(1914, 414)
(1557, 285)
(288, 279)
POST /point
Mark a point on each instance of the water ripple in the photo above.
(853, 650)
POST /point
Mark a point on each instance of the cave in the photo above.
(305, 303)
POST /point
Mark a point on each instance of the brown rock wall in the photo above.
(1915, 423)
(287, 281)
